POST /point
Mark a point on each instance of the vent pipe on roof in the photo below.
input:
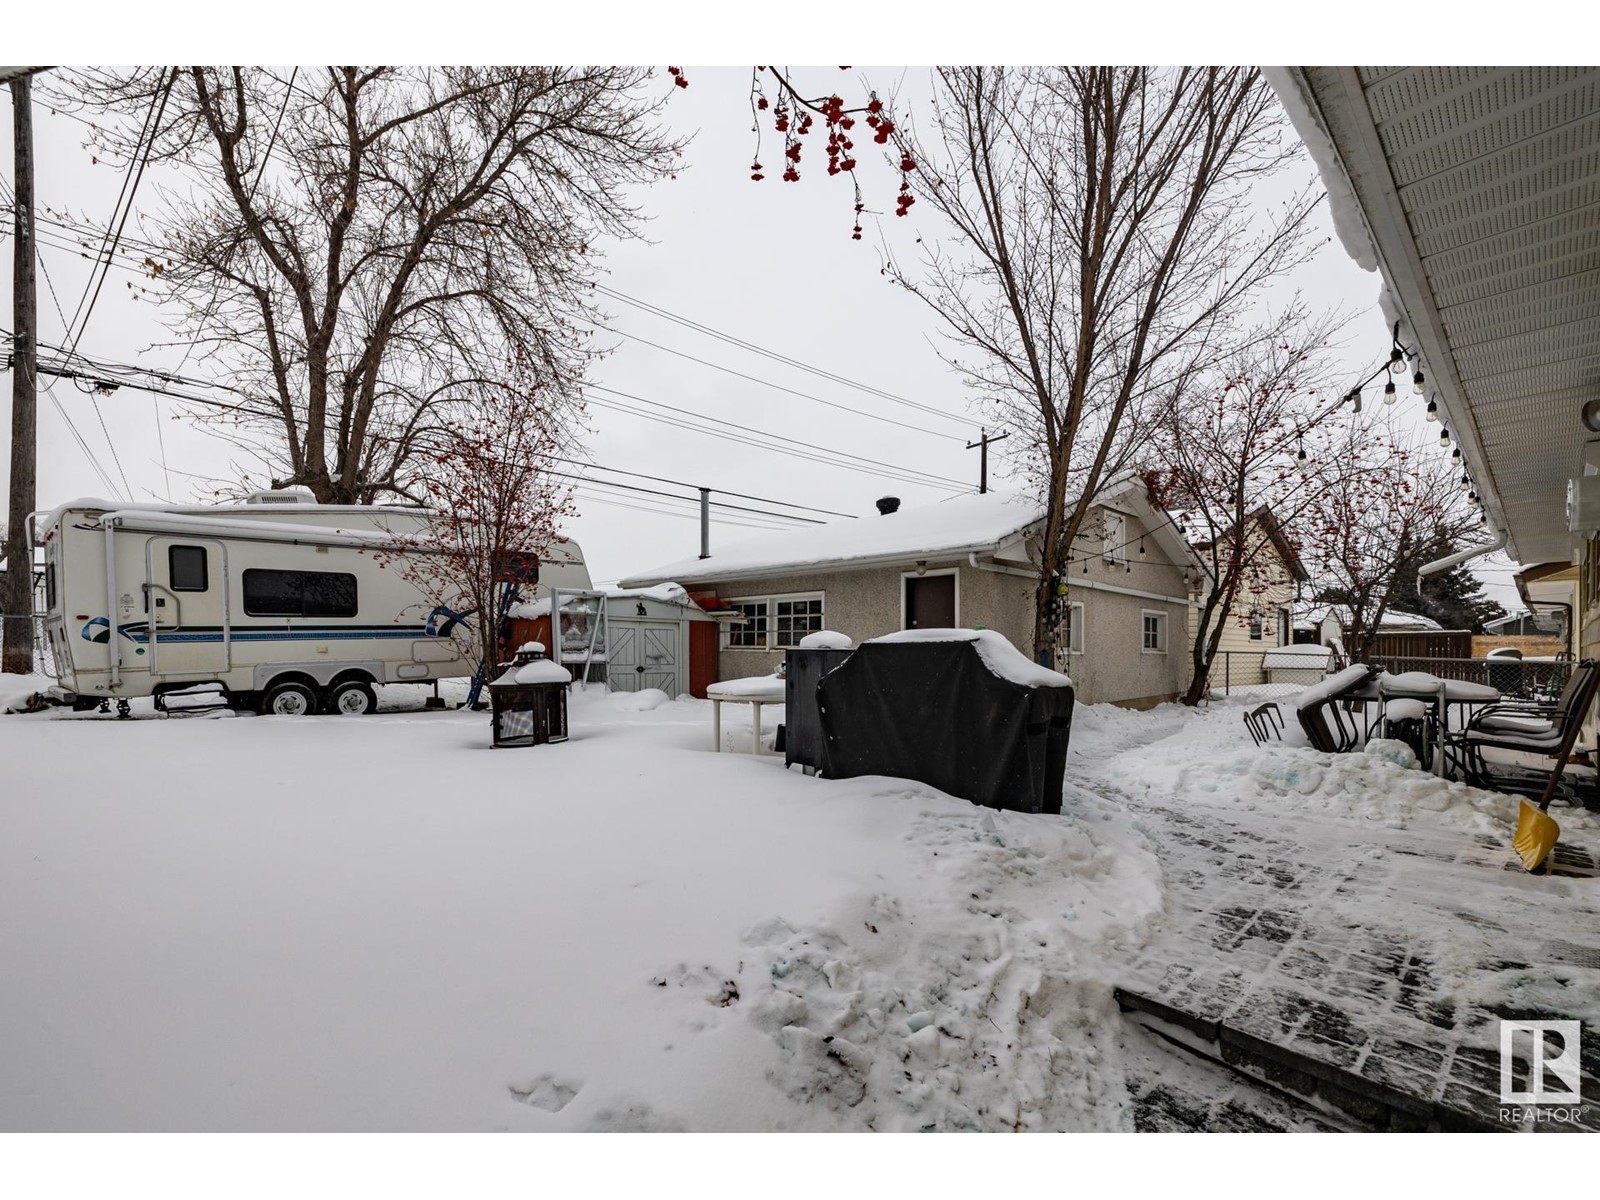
(888, 504)
(705, 522)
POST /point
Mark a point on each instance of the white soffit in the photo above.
(1481, 186)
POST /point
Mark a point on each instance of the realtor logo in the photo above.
(1550, 1048)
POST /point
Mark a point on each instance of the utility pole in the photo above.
(17, 602)
(982, 447)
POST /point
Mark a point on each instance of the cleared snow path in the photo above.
(1363, 914)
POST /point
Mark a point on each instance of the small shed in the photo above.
(654, 637)
(1305, 664)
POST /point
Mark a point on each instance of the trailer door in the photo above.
(186, 600)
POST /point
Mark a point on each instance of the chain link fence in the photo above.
(1269, 674)
(1273, 674)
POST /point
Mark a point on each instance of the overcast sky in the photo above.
(769, 263)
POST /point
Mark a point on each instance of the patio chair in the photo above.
(1265, 724)
(1329, 725)
(1543, 731)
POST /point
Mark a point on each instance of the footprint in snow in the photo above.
(548, 1092)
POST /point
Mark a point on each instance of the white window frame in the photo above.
(924, 574)
(1075, 627)
(1161, 630)
(769, 641)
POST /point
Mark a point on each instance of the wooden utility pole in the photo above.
(982, 446)
(17, 602)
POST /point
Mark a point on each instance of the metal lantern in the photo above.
(529, 700)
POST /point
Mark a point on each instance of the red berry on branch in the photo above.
(761, 103)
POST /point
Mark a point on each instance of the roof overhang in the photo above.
(1474, 192)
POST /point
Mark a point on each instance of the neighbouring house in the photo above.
(969, 562)
(1263, 612)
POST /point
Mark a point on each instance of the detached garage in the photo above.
(653, 637)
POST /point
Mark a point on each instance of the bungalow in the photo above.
(969, 562)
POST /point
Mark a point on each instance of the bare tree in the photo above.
(360, 247)
(1105, 243)
(1226, 450)
(1387, 497)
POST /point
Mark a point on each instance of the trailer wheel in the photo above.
(351, 698)
(288, 699)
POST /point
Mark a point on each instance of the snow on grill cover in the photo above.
(959, 710)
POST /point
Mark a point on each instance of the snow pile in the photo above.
(529, 610)
(982, 1001)
(1380, 785)
(825, 639)
(998, 654)
(644, 700)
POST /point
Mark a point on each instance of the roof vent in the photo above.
(888, 505)
(281, 496)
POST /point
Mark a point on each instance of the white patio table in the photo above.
(755, 690)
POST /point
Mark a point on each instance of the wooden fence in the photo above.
(1426, 643)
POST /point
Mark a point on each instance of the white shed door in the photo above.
(643, 654)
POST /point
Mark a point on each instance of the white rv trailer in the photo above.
(289, 605)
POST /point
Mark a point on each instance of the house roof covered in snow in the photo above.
(956, 527)
(1309, 616)
(994, 523)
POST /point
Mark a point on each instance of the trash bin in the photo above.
(1505, 670)
(801, 732)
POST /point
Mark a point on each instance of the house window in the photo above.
(299, 594)
(796, 619)
(186, 568)
(1072, 628)
(774, 622)
(1154, 632)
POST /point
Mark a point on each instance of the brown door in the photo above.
(930, 601)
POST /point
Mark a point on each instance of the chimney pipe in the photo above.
(888, 504)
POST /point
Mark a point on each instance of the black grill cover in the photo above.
(934, 712)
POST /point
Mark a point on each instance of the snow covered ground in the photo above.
(382, 923)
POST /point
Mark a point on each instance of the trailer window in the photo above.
(50, 587)
(299, 594)
(186, 568)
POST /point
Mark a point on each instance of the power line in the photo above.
(667, 314)
(780, 387)
(633, 487)
(872, 466)
(684, 483)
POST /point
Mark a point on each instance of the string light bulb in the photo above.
(1472, 499)
(1444, 435)
(1455, 455)
(1141, 547)
(1300, 458)
(1417, 381)
(1397, 362)
(1388, 392)
(1466, 482)
(1433, 410)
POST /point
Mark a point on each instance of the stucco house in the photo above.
(969, 562)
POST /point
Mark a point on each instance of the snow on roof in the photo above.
(665, 593)
(1308, 615)
(998, 654)
(959, 526)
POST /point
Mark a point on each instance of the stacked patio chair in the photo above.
(1265, 724)
(1544, 730)
(1325, 713)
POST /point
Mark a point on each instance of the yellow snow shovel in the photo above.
(1537, 831)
